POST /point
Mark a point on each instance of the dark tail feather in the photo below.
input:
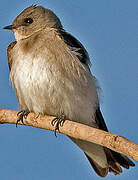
(115, 160)
(114, 166)
(99, 170)
(124, 161)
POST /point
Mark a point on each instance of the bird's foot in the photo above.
(21, 115)
(57, 122)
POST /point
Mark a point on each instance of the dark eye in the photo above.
(28, 20)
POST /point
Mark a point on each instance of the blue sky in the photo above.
(109, 31)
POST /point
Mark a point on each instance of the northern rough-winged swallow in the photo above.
(50, 72)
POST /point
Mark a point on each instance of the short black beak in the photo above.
(10, 27)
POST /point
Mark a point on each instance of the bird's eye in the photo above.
(28, 20)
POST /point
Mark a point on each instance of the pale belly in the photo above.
(44, 90)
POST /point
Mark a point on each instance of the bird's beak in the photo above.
(10, 27)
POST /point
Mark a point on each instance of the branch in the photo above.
(76, 130)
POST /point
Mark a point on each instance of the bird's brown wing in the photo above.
(76, 46)
(9, 52)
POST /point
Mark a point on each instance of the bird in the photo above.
(50, 72)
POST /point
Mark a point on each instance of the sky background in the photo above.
(109, 31)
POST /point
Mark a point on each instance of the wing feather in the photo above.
(9, 53)
(75, 47)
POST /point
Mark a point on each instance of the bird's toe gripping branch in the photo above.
(21, 115)
(57, 122)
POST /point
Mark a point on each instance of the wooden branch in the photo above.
(76, 130)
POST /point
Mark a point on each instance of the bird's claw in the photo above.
(57, 122)
(21, 114)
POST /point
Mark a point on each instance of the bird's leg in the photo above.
(21, 114)
(57, 122)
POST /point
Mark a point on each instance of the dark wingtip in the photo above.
(123, 160)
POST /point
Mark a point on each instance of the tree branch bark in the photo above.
(76, 130)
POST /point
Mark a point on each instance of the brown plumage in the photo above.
(50, 72)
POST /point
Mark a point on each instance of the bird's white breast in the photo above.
(44, 85)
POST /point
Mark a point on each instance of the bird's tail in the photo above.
(103, 160)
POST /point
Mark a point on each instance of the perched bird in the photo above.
(50, 72)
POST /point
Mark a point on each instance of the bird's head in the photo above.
(32, 20)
